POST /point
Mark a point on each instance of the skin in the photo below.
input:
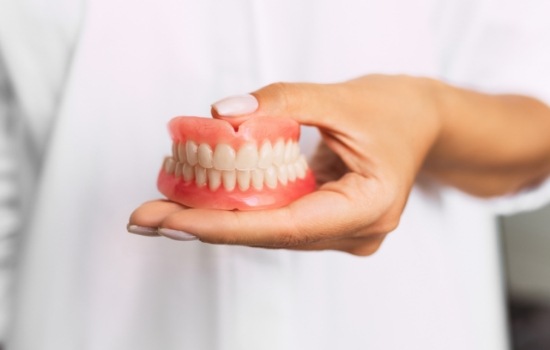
(380, 133)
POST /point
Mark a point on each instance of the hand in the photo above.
(377, 131)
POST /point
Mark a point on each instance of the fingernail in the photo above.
(177, 235)
(236, 105)
(142, 230)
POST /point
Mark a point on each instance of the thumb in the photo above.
(304, 102)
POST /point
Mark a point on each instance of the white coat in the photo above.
(87, 89)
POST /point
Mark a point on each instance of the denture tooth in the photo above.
(282, 175)
(271, 177)
(205, 155)
(200, 176)
(291, 172)
(247, 157)
(182, 157)
(169, 165)
(188, 172)
(266, 155)
(178, 169)
(229, 179)
(214, 179)
(302, 160)
(175, 150)
(191, 152)
(224, 157)
(279, 152)
(243, 179)
(300, 170)
(288, 152)
(257, 178)
(295, 151)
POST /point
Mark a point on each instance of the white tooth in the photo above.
(243, 179)
(271, 177)
(291, 172)
(178, 169)
(288, 152)
(266, 156)
(279, 152)
(224, 157)
(300, 170)
(191, 152)
(214, 179)
(295, 151)
(229, 179)
(182, 157)
(302, 160)
(169, 165)
(247, 157)
(188, 172)
(282, 175)
(200, 176)
(257, 178)
(205, 155)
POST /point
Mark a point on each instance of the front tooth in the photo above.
(288, 152)
(191, 152)
(214, 179)
(188, 172)
(200, 176)
(247, 157)
(266, 156)
(243, 179)
(271, 177)
(291, 172)
(300, 170)
(279, 152)
(229, 179)
(169, 165)
(205, 155)
(224, 157)
(182, 157)
(257, 178)
(282, 174)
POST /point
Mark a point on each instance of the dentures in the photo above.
(214, 166)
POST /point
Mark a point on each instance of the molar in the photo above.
(247, 157)
(191, 152)
(291, 172)
(282, 174)
(205, 155)
(300, 170)
(169, 165)
(224, 157)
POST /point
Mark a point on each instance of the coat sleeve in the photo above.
(499, 47)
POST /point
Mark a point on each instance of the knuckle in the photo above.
(366, 249)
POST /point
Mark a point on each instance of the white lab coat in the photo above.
(87, 90)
